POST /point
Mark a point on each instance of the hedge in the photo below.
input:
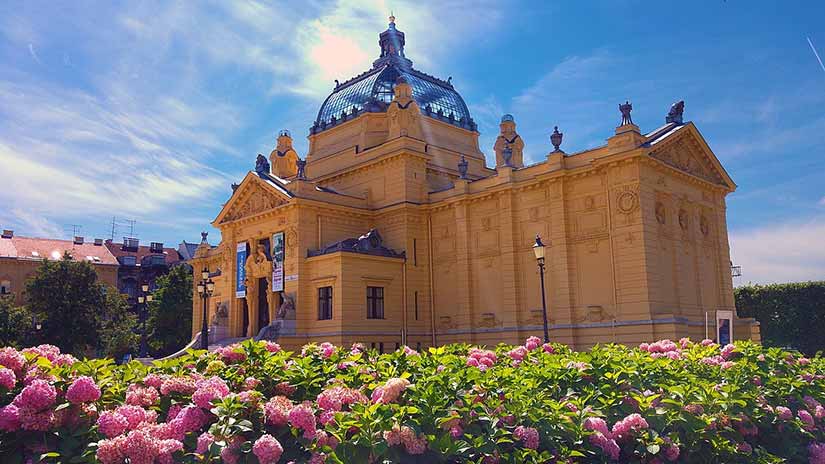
(791, 315)
(535, 403)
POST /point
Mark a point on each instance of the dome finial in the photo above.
(392, 18)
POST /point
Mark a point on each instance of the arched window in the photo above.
(5, 287)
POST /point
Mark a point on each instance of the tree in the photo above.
(116, 332)
(170, 313)
(79, 313)
(16, 324)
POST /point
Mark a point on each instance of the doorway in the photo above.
(263, 303)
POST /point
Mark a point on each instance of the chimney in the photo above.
(98, 242)
(8, 233)
(78, 240)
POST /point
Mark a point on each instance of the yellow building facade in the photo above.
(394, 231)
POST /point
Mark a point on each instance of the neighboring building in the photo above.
(395, 231)
(140, 264)
(21, 256)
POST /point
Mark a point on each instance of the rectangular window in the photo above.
(415, 296)
(381, 347)
(375, 302)
(397, 346)
(418, 346)
(324, 303)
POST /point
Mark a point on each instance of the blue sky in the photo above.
(150, 110)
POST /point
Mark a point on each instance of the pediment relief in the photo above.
(252, 200)
(686, 154)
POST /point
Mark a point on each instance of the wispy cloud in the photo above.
(785, 252)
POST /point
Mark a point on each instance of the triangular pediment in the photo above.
(255, 195)
(686, 150)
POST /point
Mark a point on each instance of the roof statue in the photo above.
(462, 168)
(284, 157)
(261, 164)
(509, 146)
(675, 113)
(625, 109)
(555, 139)
(373, 90)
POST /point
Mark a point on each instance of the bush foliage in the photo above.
(790, 315)
(253, 402)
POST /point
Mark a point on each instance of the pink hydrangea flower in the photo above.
(596, 424)
(390, 391)
(138, 395)
(49, 352)
(9, 418)
(38, 395)
(7, 378)
(272, 347)
(83, 390)
(335, 398)
(135, 415)
(518, 353)
(482, 359)
(606, 444)
(12, 359)
(404, 435)
(409, 351)
(233, 353)
(816, 453)
(548, 348)
(111, 424)
(205, 440)
(528, 435)
(327, 349)
(182, 385)
(807, 419)
(784, 413)
(267, 449)
(111, 451)
(208, 390)
(277, 410)
(532, 343)
(303, 418)
(728, 351)
(627, 426)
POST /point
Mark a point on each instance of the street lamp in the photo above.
(538, 250)
(205, 288)
(144, 299)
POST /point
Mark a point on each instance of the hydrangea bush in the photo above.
(657, 403)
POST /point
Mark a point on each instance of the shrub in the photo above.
(255, 403)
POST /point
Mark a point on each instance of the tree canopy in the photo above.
(170, 313)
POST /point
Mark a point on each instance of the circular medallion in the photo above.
(627, 202)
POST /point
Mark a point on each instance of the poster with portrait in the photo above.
(240, 270)
(278, 246)
(724, 327)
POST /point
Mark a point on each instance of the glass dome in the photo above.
(373, 90)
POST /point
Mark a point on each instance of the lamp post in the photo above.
(538, 250)
(144, 299)
(36, 326)
(205, 288)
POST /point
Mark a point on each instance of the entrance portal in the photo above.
(263, 304)
(245, 311)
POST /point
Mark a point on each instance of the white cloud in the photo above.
(785, 252)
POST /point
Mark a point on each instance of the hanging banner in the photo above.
(240, 270)
(724, 327)
(278, 246)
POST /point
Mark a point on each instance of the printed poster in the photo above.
(240, 270)
(278, 246)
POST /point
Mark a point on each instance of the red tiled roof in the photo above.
(171, 255)
(46, 248)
